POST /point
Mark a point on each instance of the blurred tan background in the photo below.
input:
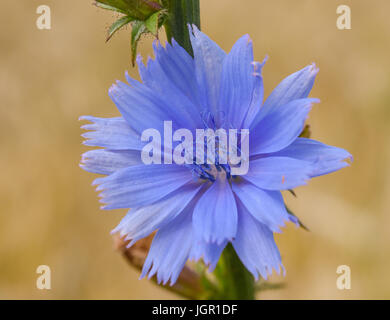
(50, 213)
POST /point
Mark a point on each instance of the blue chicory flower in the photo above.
(197, 217)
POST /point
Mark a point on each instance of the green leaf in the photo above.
(117, 25)
(152, 23)
(138, 29)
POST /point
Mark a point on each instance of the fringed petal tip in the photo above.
(277, 229)
(208, 252)
(209, 266)
(120, 230)
(100, 186)
(258, 67)
(161, 279)
(284, 269)
(290, 219)
(267, 271)
(294, 220)
(313, 69)
(312, 101)
(348, 159)
(92, 119)
(217, 241)
(82, 118)
(193, 29)
(117, 88)
(131, 243)
(115, 231)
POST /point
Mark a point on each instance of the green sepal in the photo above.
(146, 16)
(152, 23)
(233, 280)
(138, 29)
(117, 25)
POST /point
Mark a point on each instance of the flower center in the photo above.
(211, 172)
(218, 151)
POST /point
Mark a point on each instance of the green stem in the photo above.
(234, 281)
(180, 14)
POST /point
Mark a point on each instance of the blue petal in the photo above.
(141, 222)
(111, 133)
(266, 206)
(170, 249)
(173, 67)
(296, 86)
(103, 161)
(257, 95)
(215, 214)
(208, 67)
(210, 252)
(278, 173)
(141, 185)
(239, 76)
(144, 108)
(325, 159)
(172, 76)
(255, 246)
(280, 127)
